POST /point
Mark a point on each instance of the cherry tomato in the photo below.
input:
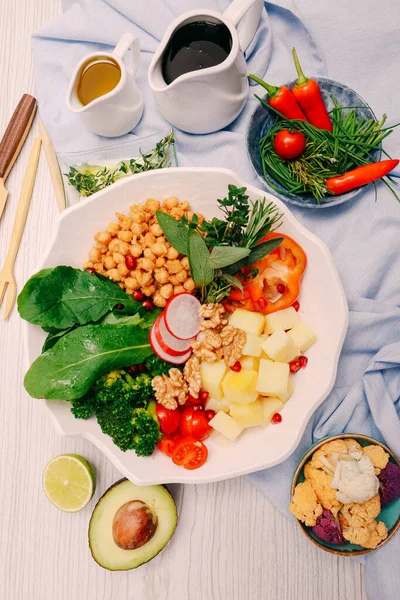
(194, 424)
(289, 144)
(210, 414)
(192, 400)
(190, 454)
(168, 419)
(168, 443)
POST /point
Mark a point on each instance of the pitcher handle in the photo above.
(127, 41)
(251, 11)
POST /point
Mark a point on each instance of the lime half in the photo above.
(69, 482)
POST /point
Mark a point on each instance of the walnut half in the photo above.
(170, 390)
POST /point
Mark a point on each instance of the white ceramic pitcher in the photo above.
(120, 110)
(208, 99)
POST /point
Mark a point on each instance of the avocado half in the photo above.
(104, 549)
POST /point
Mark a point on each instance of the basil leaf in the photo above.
(62, 297)
(223, 256)
(199, 260)
(69, 369)
(255, 255)
(175, 232)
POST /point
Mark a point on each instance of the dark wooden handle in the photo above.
(16, 132)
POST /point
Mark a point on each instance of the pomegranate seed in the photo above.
(138, 295)
(204, 396)
(295, 366)
(193, 400)
(237, 367)
(261, 303)
(119, 307)
(91, 270)
(303, 361)
(281, 288)
(130, 262)
(140, 367)
(148, 305)
(198, 407)
(276, 418)
(296, 306)
(210, 414)
(133, 369)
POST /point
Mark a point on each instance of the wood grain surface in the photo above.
(230, 544)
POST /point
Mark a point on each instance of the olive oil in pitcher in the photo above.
(97, 78)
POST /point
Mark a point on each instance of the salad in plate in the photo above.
(177, 328)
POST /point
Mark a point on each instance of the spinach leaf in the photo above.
(199, 260)
(54, 336)
(175, 232)
(62, 297)
(79, 358)
(223, 256)
(144, 321)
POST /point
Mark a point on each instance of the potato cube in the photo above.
(250, 322)
(240, 387)
(303, 336)
(252, 346)
(282, 319)
(280, 347)
(224, 424)
(272, 378)
(220, 440)
(249, 362)
(216, 405)
(270, 407)
(211, 375)
(248, 415)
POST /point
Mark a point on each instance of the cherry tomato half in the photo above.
(289, 144)
(168, 443)
(194, 424)
(168, 419)
(190, 454)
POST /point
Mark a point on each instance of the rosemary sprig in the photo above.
(89, 179)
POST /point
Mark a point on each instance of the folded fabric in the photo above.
(363, 235)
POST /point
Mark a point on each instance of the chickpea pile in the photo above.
(135, 253)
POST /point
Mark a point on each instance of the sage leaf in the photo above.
(255, 255)
(233, 281)
(199, 260)
(62, 297)
(175, 232)
(69, 369)
(223, 256)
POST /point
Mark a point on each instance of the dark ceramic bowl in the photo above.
(263, 119)
(390, 514)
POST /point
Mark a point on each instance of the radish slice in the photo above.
(176, 360)
(169, 343)
(181, 316)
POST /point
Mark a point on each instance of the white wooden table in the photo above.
(231, 543)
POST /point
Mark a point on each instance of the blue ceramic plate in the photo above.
(390, 514)
(263, 119)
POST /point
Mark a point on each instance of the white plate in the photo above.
(323, 307)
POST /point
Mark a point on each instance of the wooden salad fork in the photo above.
(7, 279)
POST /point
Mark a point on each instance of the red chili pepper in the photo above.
(308, 95)
(282, 99)
(360, 176)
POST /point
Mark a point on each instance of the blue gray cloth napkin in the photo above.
(356, 43)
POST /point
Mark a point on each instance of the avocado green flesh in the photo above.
(103, 548)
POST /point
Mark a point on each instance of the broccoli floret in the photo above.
(83, 408)
(146, 431)
(115, 399)
(115, 420)
(156, 366)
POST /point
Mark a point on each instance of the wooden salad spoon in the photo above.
(7, 278)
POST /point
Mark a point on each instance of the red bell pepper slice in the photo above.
(284, 265)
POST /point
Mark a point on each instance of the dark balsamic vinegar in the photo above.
(195, 46)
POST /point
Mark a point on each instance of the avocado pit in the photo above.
(134, 525)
